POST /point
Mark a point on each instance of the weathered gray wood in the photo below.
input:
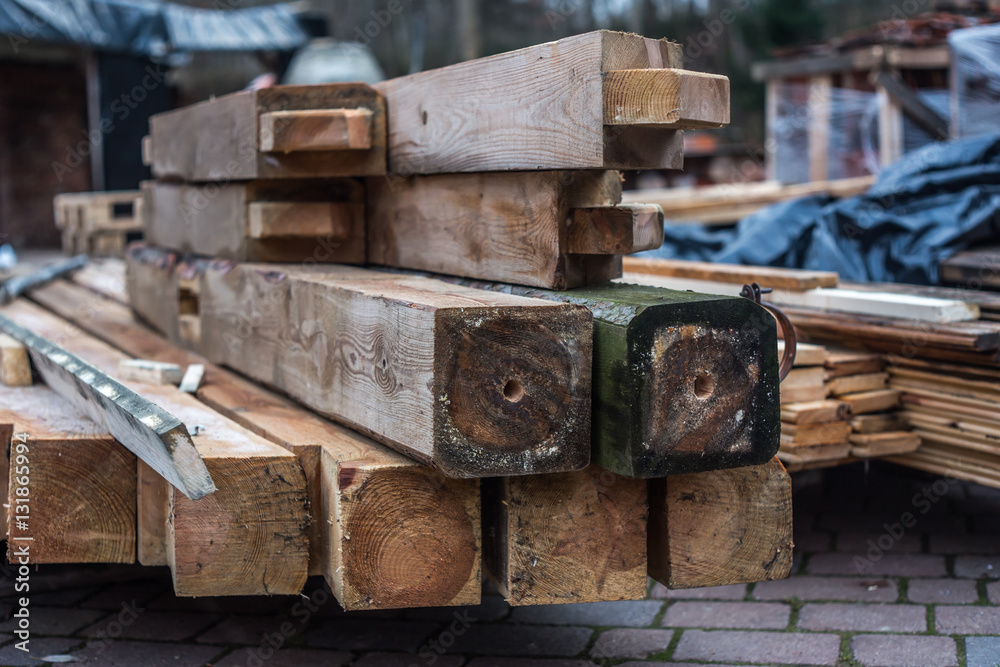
(475, 384)
(542, 107)
(682, 382)
(151, 433)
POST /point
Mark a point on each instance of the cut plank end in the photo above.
(315, 130)
(668, 98)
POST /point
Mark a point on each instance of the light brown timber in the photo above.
(538, 108)
(78, 502)
(249, 536)
(220, 139)
(666, 98)
(618, 230)
(316, 130)
(15, 368)
(261, 220)
(721, 527)
(474, 383)
(508, 227)
(565, 537)
(376, 547)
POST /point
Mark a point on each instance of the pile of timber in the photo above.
(836, 406)
(435, 375)
(99, 224)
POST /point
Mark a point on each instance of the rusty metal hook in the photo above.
(753, 292)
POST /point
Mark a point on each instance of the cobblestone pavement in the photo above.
(893, 568)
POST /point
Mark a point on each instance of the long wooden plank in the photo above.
(536, 108)
(511, 227)
(721, 527)
(71, 487)
(872, 304)
(386, 532)
(268, 221)
(682, 382)
(250, 536)
(973, 269)
(814, 412)
(146, 429)
(473, 383)
(566, 537)
(224, 139)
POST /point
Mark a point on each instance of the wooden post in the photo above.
(290, 221)
(473, 384)
(71, 487)
(683, 382)
(386, 532)
(544, 107)
(248, 537)
(820, 111)
(721, 527)
(567, 537)
(249, 135)
(517, 227)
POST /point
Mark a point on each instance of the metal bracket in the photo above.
(753, 292)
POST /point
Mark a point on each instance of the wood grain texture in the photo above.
(814, 412)
(495, 226)
(409, 539)
(247, 538)
(721, 527)
(790, 279)
(536, 108)
(666, 98)
(15, 367)
(682, 382)
(568, 537)
(219, 139)
(149, 431)
(276, 220)
(316, 130)
(472, 383)
(79, 482)
(292, 221)
(618, 230)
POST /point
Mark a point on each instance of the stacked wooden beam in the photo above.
(563, 395)
(99, 224)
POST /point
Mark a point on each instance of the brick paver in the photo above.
(860, 589)
(405, 660)
(629, 613)
(863, 617)
(942, 591)
(791, 648)
(993, 592)
(730, 592)
(977, 567)
(55, 620)
(902, 651)
(982, 651)
(527, 662)
(738, 615)
(142, 624)
(861, 542)
(631, 643)
(292, 657)
(10, 656)
(892, 564)
(145, 654)
(967, 620)
(511, 640)
(356, 634)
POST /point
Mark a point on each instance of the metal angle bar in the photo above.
(147, 430)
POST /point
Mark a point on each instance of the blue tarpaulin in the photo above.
(934, 202)
(149, 28)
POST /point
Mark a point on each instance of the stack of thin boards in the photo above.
(499, 403)
(849, 412)
(99, 224)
